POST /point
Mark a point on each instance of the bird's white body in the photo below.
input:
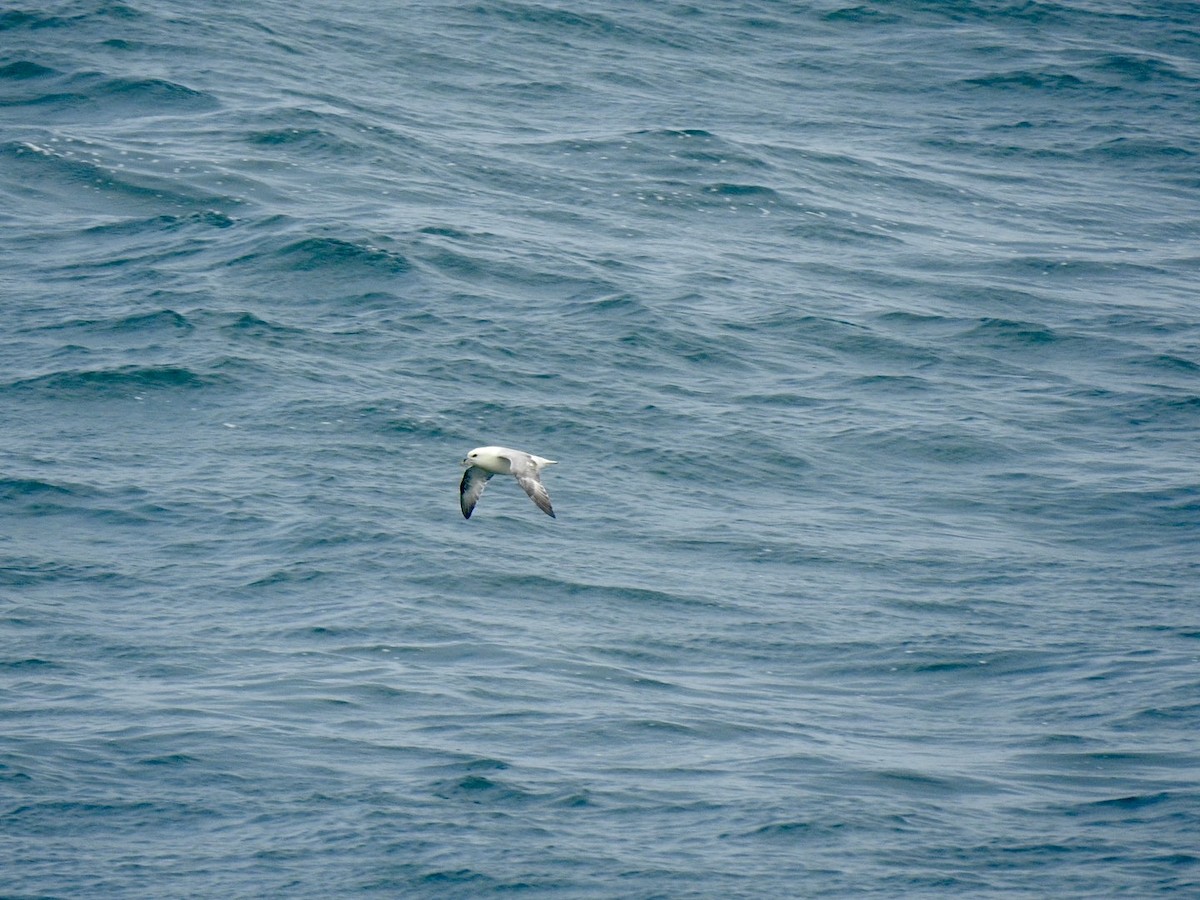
(484, 462)
(499, 460)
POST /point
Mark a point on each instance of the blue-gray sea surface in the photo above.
(867, 338)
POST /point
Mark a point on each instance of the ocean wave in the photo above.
(119, 381)
(327, 254)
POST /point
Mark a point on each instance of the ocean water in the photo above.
(867, 338)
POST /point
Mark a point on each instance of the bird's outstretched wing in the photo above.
(527, 476)
(473, 482)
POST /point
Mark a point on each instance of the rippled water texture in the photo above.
(866, 338)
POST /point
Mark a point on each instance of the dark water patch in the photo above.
(862, 15)
(1141, 69)
(756, 192)
(688, 152)
(162, 223)
(103, 508)
(159, 94)
(32, 663)
(1133, 803)
(1169, 507)
(292, 575)
(1167, 364)
(922, 323)
(33, 573)
(445, 231)
(537, 18)
(43, 819)
(1051, 343)
(481, 789)
(312, 137)
(900, 385)
(331, 255)
(614, 308)
(595, 592)
(19, 488)
(783, 398)
(56, 175)
(170, 760)
(983, 300)
(1179, 714)
(249, 325)
(313, 134)
(1051, 269)
(14, 19)
(119, 382)
(89, 94)
(446, 878)
(1127, 150)
(482, 265)
(1033, 80)
(811, 329)
(711, 351)
(882, 350)
(166, 319)
(793, 830)
(1158, 413)
(950, 444)
(1006, 332)
(163, 322)
(26, 69)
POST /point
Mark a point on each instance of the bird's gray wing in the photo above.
(473, 482)
(527, 477)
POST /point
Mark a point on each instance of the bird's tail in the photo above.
(541, 462)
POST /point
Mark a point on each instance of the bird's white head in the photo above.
(490, 459)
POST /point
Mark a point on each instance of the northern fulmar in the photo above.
(484, 462)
